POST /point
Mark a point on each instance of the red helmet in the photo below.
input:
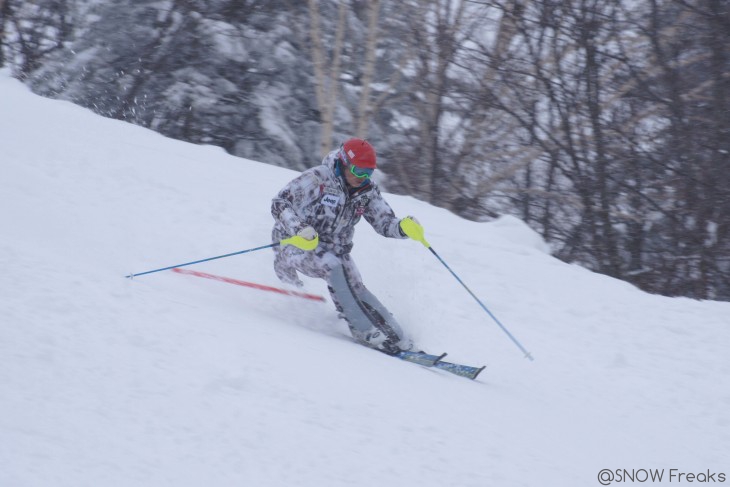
(359, 152)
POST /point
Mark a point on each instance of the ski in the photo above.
(420, 358)
(461, 370)
(436, 361)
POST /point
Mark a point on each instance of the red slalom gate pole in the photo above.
(261, 287)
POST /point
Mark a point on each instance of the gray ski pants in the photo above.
(368, 319)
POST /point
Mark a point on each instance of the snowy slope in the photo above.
(171, 380)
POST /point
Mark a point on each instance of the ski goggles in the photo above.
(358, 172)
(361, 172)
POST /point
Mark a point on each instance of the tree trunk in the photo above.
(326, 88)
(4, 14)
(365, 107)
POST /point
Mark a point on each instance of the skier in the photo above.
(322, 206)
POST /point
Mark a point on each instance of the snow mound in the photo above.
(515, 230)
(173, 380)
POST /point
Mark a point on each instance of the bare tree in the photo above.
(440, 32)
(38, 29)
(365, 106)
(4, 17)
(331, 76)
(326, 74)
(621, 112)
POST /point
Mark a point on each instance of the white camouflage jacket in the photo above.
(321, 198)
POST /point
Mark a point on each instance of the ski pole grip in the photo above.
(301, 242)
(413, 230)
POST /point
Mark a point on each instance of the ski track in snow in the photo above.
(169, 380)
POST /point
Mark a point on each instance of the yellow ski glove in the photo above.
(412, 229)
(305, 239)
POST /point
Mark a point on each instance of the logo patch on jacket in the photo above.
(330, 200)
(362, 204)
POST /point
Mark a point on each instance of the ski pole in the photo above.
(296, 240)
(415, 231)
(504, 329)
